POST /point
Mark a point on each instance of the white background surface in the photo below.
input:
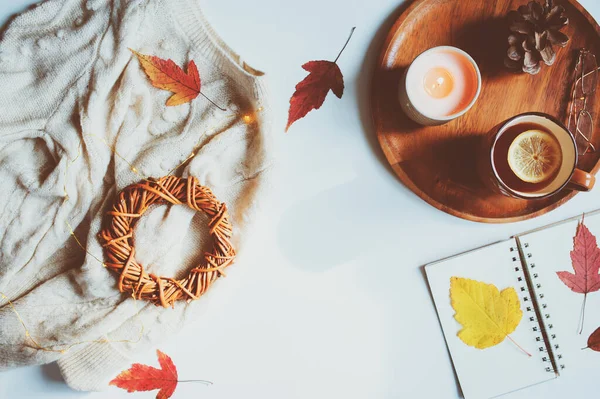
(335, 304)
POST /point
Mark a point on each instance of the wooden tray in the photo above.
(438, 163)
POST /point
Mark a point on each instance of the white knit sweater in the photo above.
(70, 91)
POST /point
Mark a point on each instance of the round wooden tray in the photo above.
(438, 163)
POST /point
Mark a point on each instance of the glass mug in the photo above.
(496, 173)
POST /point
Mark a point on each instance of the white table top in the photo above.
(336, 304)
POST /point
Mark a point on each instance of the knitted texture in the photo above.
(79, 122)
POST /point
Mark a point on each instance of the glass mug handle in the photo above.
(581, 181)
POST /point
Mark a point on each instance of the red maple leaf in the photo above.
(311, 91)
(585, 258)
(594, 341)
(146, 378)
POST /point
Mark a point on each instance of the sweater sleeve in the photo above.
(45, 59)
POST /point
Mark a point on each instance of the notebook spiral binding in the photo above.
(532, 315)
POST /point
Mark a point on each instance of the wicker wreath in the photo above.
(117, 239)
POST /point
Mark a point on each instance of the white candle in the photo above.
(441, 84)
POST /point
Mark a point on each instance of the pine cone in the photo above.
(534, 30)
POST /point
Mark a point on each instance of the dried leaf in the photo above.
(166, 75)
(146, 378)
(593, 341)
(487, 315)
(311, 92)
(585, 260)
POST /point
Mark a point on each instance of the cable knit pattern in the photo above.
(72, 93)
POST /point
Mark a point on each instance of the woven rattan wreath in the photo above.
(117, 239)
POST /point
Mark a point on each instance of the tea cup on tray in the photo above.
(531, 156)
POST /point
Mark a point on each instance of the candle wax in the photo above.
(441, 83)
(438, 82)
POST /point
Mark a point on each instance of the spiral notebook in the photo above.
(549, 328)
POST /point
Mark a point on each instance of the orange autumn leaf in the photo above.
(166, 75)
(146, 378)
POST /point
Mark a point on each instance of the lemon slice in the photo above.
(534, 156)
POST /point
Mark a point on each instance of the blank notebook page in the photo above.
(550, 253)
(487, 373)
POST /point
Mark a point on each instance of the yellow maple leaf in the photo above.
(487, 315)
